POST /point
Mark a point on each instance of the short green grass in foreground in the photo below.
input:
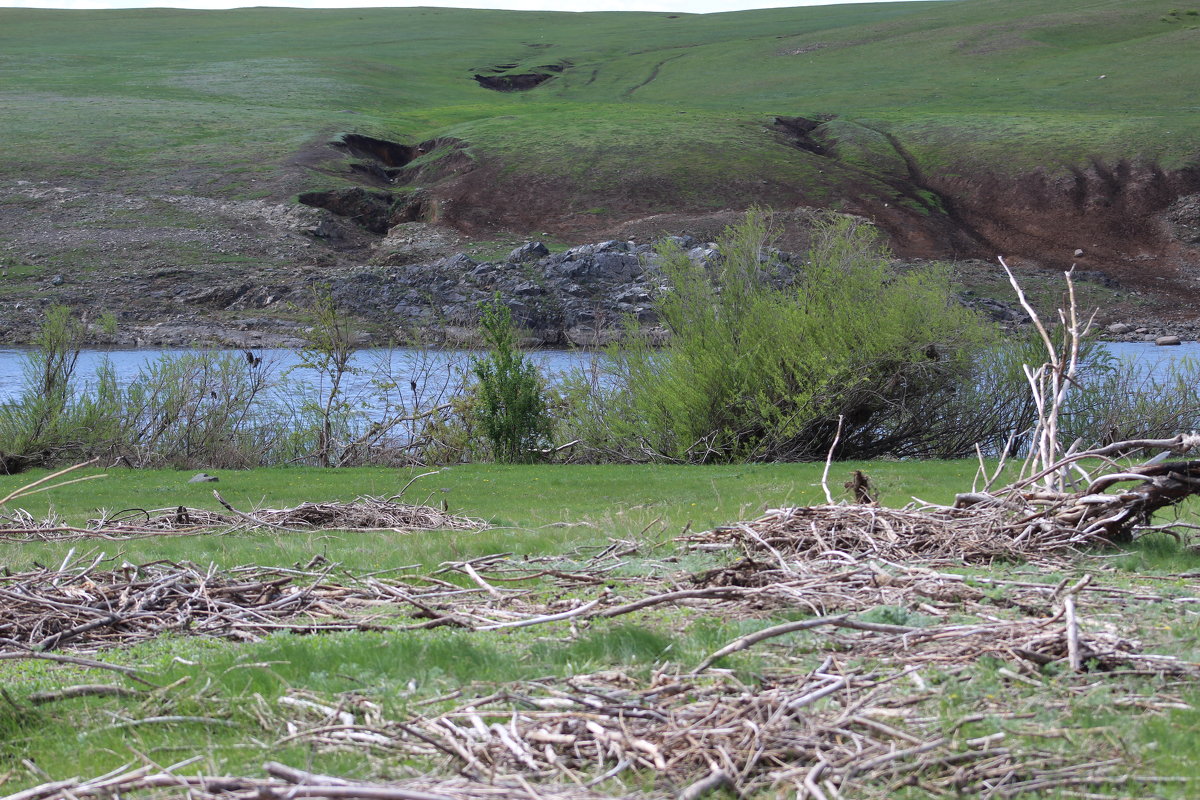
(233, 689)
(534, 508)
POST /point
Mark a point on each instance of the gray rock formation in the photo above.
(579, 296)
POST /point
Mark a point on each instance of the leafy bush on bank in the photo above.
(762, 362)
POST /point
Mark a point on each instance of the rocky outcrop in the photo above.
(580, 296)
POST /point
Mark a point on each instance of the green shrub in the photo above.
(328, 349)
(509, 402)
(201, 409)
(761, 363)
(42, 424)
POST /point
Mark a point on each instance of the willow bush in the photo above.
(763, 358)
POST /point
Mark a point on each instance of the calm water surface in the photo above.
(434, 371)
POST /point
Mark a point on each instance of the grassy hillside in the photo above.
(231, 95)
(973, 127)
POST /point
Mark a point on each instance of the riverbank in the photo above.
(561, 296)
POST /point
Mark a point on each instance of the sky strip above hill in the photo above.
(674, 6)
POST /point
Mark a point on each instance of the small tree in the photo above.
(510, 399)
(38, 426)
(764, 359)
(329, 347)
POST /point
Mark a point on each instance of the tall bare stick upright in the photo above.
(1051, 382)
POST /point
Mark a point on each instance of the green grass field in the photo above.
(221, 102)
(220, 700)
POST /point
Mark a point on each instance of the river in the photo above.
(431, 374)
(435, 372)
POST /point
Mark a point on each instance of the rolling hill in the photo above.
(972, 128)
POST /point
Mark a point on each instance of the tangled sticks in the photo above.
(1108, 507)
(363, 514)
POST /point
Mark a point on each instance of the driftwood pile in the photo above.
(88, 608)
(1109, 506)
(1026, 521)
(832, 732)
(856, 725)
(933, 534)
(363, 514)
(287, 783)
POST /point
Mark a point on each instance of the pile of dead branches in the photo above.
(286, 783)
(843, 729)
(90, 608)
(366, 513)
(931, 533)
(363, 514)
(831, 732)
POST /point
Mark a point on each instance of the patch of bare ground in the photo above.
(176, 268)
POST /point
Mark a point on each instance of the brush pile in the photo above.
(861, 724)
(831, 732)
(89, 609)
(363, 514)
(285, 783)
(933, 534)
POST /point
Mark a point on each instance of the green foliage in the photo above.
(196, 409)
(509, 403)
(189, 409)
(43, 421)
(762, 361)
(329, 346)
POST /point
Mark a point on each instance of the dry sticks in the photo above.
(365, 513)
(933, 533)
(830, 732)
(88, 608)
(843, 729)
(284, 783)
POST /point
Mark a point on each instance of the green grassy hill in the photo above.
(964, 128)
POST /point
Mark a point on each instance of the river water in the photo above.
(435, 372)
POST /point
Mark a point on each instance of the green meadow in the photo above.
(226, 103)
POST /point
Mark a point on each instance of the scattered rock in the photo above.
(412, 242)
(1119, 328)
(530, 251)
(203, 477)
(1167, 341)
(1183, 219)
(1078, 252)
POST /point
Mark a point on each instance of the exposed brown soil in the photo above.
(1116, 214)
(522, 82)
(390, 154)
(182, 263)
(1119, 215)
(799, 131)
